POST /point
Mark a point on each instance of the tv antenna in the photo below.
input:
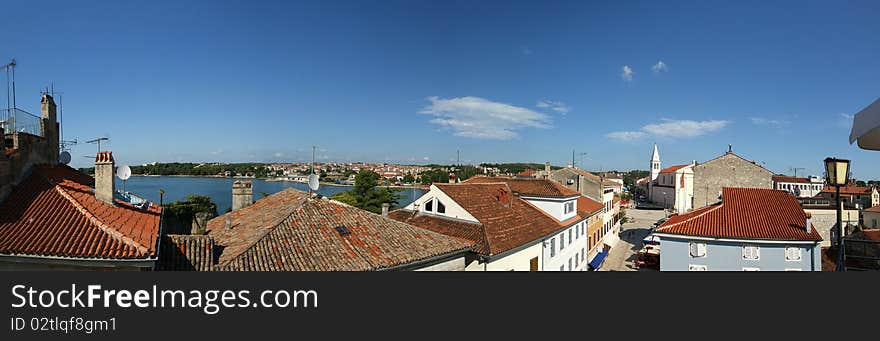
(795, 169)
(581, 155)
(10, 93)
(98, 141)
(314, 184)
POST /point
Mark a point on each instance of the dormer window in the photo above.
(429, 206)
(569, 207)
(440, 207)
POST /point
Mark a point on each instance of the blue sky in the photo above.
(414, 81)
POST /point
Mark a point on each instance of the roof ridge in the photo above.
(274, 226)
(100, 224)
(712, 208)
(483, 226)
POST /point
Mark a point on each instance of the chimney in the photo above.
(452, 177)
(807, 226)
(228, 221)
(570, 165)
(104, 185)
(49, 127)
(503, 197)
(547, 167)
(385, 207)
(242, 194)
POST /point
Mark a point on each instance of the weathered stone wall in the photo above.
(729, 170)
(578, 182)
(242, 194)
(825, 219)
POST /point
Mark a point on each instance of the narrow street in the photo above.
(631, 234)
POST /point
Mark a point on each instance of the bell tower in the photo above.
(655, 164)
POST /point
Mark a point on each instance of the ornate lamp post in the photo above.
(837, 174)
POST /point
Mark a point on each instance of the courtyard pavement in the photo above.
(638, 227)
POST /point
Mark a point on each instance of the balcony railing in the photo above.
(18, 120)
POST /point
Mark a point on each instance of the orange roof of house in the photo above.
(527, 172)
(850, 190)
(672, 169)
(287, 231)
(536, 187)
(54, 212)
(506, 221)
(746, 213)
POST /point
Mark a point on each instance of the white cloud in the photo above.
(426, 158)
(555, 106)
(659, 67)
(626, 135)
(671, 129)
(768, 122)
(479, 118)
(278, 154)
(627, 73)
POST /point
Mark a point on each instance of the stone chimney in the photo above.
(242, 194)
(385, 207)
(547, 167)
(570, 165)
(49, 128)
(105, 187)
(452, 178)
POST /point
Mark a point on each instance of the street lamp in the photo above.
(837, 174)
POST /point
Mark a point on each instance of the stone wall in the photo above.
(728, 170)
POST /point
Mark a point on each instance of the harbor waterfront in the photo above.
(220, 189)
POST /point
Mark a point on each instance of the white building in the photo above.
(801, 187)
(517, 224)
(672, 187)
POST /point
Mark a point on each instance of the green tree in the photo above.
(409, 178)
(365, 195)
(182, 212)
(861, 183)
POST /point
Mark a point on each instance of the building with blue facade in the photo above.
(751, 229)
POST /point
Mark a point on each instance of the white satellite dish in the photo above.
(64, 158)
(313, 182)
(123, 172)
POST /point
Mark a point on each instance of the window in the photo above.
(552, 247)
(697, 249)
(569, 207)
(440, 207)
(429, 206)
(874, 223)
(562, 241)
(569, 236)
(792, 253)
(569, 264)
(751, 252)
(751, 269)
(562, 268)
(694, 267)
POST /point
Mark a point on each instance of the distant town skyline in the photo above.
(414, 82)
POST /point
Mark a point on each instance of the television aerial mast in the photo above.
(98, 141)
(10, 94)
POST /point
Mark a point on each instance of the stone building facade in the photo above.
(728, 170)
(19, 151)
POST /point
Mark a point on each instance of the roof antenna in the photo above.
(730, 148)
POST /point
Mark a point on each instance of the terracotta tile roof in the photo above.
(585, 173)
(848, 190)
(54, 212)
(586, 206)
(871, 234)
(451, 227)
(186, 253)
(874, 209)
(527, 172)
(288, 232)
(672, 169)
(531, 187)
(745, 213)
(506, 221)
(784, 178)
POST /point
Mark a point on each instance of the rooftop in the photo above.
(746, 213)
(288, 231)
(529, 187)
(54, 212)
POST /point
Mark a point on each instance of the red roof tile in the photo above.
(672, 169)
(848, 190)
(54, 212)
(527, 172)
(287, 231)
(506, 221)
(536, 187)
(746, 213)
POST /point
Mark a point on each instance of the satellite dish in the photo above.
(123, 172)
(64, 158)
(313, 182)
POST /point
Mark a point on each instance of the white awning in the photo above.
(866, 127)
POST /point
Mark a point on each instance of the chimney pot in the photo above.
(385, 207)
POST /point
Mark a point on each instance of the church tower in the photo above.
(655, 164)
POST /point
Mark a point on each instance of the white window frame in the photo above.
(705, 249)
(799, 256)
(757, 252)
(697, 267)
